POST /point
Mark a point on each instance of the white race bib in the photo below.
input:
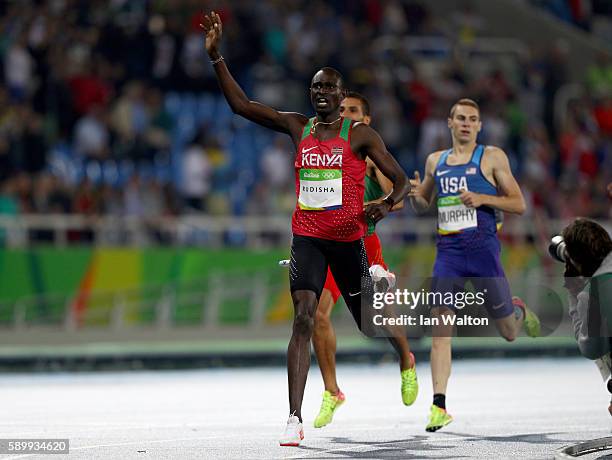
(454, 216)
(320, 189)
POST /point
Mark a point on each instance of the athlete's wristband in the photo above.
(389, 201)
(216, 61)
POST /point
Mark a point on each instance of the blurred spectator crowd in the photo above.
(112, 107)
(593, 16)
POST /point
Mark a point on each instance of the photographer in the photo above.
(586, 250)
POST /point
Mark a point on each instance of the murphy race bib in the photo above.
(320, 189)
(454, 216)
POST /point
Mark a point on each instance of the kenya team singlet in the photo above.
(329, 185)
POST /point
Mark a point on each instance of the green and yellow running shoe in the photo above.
(410, 385)
(438, 418)
(328, 407)
(532, 322)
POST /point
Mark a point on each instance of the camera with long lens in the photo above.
(558, 249)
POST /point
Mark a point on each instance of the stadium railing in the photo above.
(206, 231)
(235, 307)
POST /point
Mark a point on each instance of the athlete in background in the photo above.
(471, 181)
(328, 222)
(377, 187)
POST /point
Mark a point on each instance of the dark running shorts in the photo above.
(347, 261)
(483, 268)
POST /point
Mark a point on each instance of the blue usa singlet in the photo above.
(467, 237)
(461, 227)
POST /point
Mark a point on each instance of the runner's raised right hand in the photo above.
(213, 28)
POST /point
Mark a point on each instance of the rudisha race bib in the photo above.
(320, 189)
(454, 216)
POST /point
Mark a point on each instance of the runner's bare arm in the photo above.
(366, 142)
(510, 198)
(422, 193)
(285, 122)
(385, 184)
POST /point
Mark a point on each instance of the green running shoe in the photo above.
(532, 322)
(410, 385)
(438, 418)
(328, 407)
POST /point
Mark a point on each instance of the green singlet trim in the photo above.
(373, 191)
(307, 128)
(346, 125)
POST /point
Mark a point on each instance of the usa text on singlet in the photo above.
(454, 218)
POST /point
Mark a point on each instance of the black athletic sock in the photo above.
(440, 400)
